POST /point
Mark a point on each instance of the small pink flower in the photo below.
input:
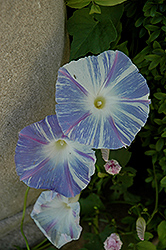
(113, 242)
(112, 167)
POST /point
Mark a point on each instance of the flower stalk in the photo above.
(156, 193)
(23, 216)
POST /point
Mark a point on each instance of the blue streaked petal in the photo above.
(102, 100)
(47, 159)
(129, 117)
(57, 217)
(125, 80)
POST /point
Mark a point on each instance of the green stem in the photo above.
(23, 216)
(123, 202)
(127, 233)
(44, 247)
(95, 225)
(156, 201)
(40, 244)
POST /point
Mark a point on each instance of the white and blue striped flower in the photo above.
(47, 159)
(102, 100)
(57, 217)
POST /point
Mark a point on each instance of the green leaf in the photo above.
(156, 19)
(154, 158)
(94, 243)
(145, 245)
(164, 120)
(123, 47)
(109, 2)
(149, 179)
(162, 163)
(160, 95)
(152, 57)
(128, 220)
(129, 197)
(153, 36)
(159, 52)
(150, 152)
(139, 58)
(151, 27)
(145, 51)
(147, 6)
(157, 77)
(163, 181)
(78, 4)
(163, 28)
(126, 180)
(153, 10)
(163, 134)
(114, 13)
(161, 229)
(148, 236)
(139, 21)
(87, 33)
(142, 32)
(121, 155)
(95, 9)
(158, 121)
(156, 45)
(88, 204)
(106, 232)
(159, 144)
(162, 108)
(153, 64)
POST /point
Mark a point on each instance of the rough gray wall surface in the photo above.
(14, 237)
(33, 46)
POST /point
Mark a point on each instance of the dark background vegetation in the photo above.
(113, 204)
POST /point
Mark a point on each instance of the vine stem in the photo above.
(23, 216)
(156, 200)
(40, 245)
(44, 247)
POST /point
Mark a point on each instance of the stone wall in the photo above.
(34, 45)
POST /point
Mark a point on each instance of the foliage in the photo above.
(94, 7)
(152, 63)
(138, 28)
(87, 30)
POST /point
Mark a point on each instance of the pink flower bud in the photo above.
(112, 167)
(113, 242)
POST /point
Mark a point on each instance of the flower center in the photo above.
(60, 144)
(99, 102)
(66, 206)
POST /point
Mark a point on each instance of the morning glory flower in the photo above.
(113, 242)
(102, 100)
(45, 158)
(57, 217)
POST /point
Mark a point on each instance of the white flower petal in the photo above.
(57, 218)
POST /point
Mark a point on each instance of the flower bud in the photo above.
(112, 167)
(113, 242)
